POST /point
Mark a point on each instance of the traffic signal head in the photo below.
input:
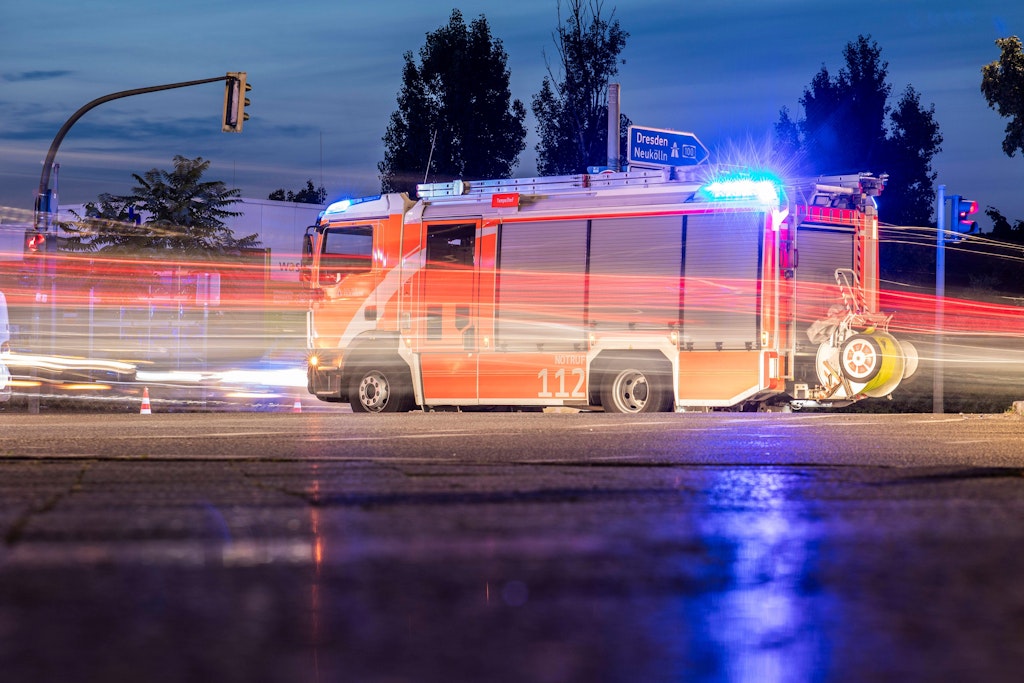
(35, 242)
(235, 102)
(41, 250)
(961, 214)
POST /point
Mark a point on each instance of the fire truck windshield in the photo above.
(345, 251)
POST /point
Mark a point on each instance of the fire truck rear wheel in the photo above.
(380, 390)
(635, 389)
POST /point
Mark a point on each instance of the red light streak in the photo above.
(915, 313)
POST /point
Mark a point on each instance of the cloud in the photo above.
(35, 76)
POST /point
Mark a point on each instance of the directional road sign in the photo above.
(658, 147)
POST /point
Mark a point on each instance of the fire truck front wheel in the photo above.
(380, 390)
(635, 389)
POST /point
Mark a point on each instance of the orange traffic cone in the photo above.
(146, 410)
(297, 406)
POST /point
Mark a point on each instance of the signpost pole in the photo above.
(613, 126)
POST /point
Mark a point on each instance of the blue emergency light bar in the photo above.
(762, 187)
(345, 204)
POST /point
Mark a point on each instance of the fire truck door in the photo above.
(447, 320)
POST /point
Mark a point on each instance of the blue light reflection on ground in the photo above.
(763, 622)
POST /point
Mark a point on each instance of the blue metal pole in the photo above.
(940, 296)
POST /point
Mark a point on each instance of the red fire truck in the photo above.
(628, 292)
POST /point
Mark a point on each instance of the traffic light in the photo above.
(235, 102)
(41, 247)
(35, 242)
(961, 210)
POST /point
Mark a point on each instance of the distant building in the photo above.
(280, 226)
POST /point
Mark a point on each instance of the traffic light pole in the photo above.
(44, 199)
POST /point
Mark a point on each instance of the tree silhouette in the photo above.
(914, 138)
(1003, 230)
(183, 215)
(572, 105)
(848, 126)
(1002, 83)
(455, 117)
(307, 195)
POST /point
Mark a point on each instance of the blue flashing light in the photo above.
(339, 207)
(762, 187)
(345, 204)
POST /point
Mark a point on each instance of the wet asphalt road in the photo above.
(511, 547)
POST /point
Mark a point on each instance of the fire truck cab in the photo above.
(628, 292)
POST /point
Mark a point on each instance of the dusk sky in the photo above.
(325, 76)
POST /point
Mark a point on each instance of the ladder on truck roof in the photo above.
(551, 184)
(848, 184)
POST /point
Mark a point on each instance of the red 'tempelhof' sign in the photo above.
(505, 200)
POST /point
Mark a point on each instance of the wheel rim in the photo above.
(630, 391)
(860, 358)
(374, 392)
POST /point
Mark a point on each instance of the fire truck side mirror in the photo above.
(306, 261)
